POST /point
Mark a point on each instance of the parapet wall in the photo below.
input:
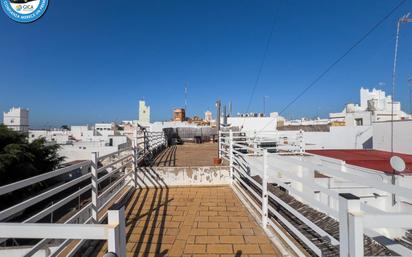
(183, 176)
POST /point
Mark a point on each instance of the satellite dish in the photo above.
(397, 163)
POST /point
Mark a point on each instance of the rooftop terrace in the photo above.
(186, 155)
(192, 221)
(139, 209)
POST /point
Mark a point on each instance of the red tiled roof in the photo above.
(372, 159)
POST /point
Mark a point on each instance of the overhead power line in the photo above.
(340, 58)
(262, 63)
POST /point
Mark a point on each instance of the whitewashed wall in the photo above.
(184, 176)
(402, 140)
(250, 124)
(83, 150)
(337, 138)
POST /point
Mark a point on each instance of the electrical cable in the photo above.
(339, 59)
(262, 63)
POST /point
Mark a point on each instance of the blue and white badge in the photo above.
(24, 10)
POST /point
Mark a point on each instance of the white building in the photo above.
(402, 136)
(158, 126)
(252, 124)
(17, 119)
(51, 136)
(208, 116)
(144, 113)
(306, 122)
(82, 133)
(106, 129)
(82, 150)
(80, 141)
(338, 137)
(374, 106)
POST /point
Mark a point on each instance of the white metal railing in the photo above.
(273, 141)
(362, 206)
(105, 179)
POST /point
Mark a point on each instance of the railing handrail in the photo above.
(115, 153)
(39, 178)
(290, 168)
(101, 197)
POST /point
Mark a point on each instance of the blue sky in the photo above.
(91, 62)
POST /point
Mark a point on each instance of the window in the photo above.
(359, 122)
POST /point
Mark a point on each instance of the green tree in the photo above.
(20, 159)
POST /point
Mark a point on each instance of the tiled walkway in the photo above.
(187, 154)
(197, 221)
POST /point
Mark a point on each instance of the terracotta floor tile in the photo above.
(192, 222)
(219, 248)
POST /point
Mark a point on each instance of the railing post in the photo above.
(135, 164)
(95, 187)
(219, 142)
(144, 142)
(301, 142)
(255, 144)
(164, 139)
(265, 196)
(349, 203)
(117, 236)
(356, 235)
(231, 156)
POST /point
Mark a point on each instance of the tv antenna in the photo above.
(186, 97)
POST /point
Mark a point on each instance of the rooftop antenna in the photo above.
(410, 94)
(186, 97)
(403, 19)
(264, 104)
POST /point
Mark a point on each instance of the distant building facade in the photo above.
(208, 116)
(106, 129)
(144, 112)
(82, 133)
(375, 106)
(179, 114)
(17, 119)
(80, 141)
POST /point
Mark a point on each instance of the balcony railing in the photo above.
(314, 199)
(315, 204)
(105, 179)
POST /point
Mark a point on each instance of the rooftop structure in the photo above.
(53, 136)
(144, 112)
(250, 124)
(80, 141)
(85, 133)
(187, 155)
(208, 116)
(374, 106)
(17, 119)
(106, 129)
(402, 136)
(371, 159)
(179, 114)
